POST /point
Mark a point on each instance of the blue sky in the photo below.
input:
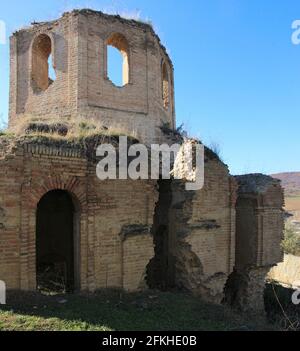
(237, 73)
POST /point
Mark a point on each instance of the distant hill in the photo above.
(290, 182)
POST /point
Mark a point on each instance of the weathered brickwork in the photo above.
(81, 89)
(259, 232)
(127, 234)
(105, 259)
(194, 234)
(260, 221)
(212, 226)
(205, 227)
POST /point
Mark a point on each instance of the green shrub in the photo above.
(291, 242)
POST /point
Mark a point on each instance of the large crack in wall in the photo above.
(188, 225)
(175, 263)
(160, 274)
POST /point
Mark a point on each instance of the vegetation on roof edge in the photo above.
(51, 139)
(85, 134)
(180, 134)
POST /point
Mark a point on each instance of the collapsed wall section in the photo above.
(195, 238)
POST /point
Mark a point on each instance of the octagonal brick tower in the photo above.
(76, 46)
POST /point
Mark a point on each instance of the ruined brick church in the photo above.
(218, 242)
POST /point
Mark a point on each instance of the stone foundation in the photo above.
(244, 290)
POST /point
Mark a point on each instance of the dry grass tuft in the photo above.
(80, 129)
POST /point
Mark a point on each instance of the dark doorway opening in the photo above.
(55, 244)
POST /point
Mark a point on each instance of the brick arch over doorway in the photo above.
(32, 193)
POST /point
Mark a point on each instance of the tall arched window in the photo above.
(118, 59)
(43, 72)
(165, 86)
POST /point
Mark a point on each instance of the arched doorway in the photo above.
(56, 242)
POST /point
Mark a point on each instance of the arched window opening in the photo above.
(165, 86)
(118, 59)
(43, 71)
(115, 66)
